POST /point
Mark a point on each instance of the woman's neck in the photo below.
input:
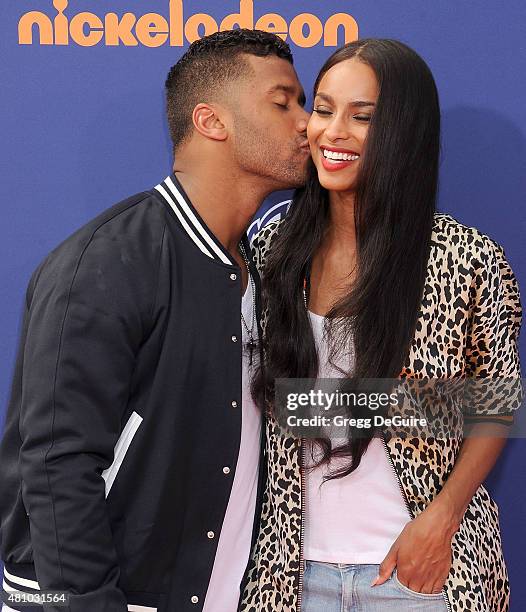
(334, 263)
(340, 236)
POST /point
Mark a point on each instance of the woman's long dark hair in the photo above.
(394, 209)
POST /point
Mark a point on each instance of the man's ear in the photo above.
(208, 123)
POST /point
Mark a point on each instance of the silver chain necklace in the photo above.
(250, 330)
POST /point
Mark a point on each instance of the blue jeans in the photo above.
(331, 587)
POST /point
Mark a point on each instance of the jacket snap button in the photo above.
(233, 277)
(234, 404)
(210, 535)
(194, 599)
(234, 338)
(226, 470)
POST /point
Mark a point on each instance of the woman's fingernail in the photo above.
(375, 580)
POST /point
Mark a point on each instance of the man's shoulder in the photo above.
(126, 220)
(125, 234)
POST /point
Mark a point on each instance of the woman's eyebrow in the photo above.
(355, 103)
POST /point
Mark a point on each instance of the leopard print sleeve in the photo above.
(491, 351)
(261, 244)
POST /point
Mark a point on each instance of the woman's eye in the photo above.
(322, 111)
(285, 106)
(362, 117)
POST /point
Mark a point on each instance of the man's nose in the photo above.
(303, 121)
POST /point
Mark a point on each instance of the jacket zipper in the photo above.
(411, 515)
(302, 526)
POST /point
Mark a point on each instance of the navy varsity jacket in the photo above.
(125, 408)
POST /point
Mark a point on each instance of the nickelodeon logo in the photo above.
(154, 30)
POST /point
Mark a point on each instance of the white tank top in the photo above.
(357, 518)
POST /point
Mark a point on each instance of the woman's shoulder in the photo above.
(448, 233)
(465, 243)
(262, 241)
(267, 232)
(476, 257)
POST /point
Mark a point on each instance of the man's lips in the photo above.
(304, 148)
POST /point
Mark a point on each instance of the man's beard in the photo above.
(255, 154)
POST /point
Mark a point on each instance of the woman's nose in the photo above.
(337, 130)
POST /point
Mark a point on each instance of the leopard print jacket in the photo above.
(468, 323)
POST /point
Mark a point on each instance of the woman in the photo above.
(365, 280)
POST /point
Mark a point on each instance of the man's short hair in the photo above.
(209, 64)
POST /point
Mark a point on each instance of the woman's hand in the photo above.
(422, 552)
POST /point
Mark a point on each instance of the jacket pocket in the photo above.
(121, 448)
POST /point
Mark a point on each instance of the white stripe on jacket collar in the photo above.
(194, 227)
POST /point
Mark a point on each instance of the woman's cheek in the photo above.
(313, 130)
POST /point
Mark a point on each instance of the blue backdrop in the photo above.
(83, 127)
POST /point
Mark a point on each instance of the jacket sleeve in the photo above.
(87, 318)
(494, 387)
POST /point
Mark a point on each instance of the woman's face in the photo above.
(338, 127)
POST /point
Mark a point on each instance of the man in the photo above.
(131, 448)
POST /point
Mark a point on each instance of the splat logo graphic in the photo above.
(153, 30)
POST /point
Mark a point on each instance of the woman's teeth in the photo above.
(334, 156)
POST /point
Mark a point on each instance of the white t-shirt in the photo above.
(357, 518)
(233, 548)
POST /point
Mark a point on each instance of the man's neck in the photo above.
(225, 202)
